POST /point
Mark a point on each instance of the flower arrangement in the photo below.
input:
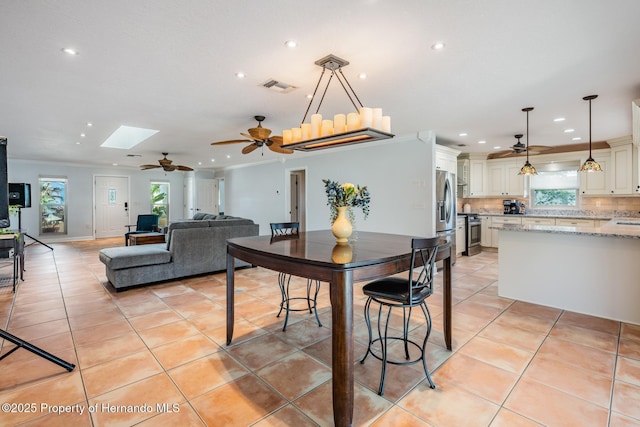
(348, 195)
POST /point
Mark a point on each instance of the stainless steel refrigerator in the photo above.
(446, 208)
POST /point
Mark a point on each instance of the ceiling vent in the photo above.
(277, 86)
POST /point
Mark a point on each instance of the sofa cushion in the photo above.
(200, 215)
(135, 256)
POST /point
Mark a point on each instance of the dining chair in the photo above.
(290, 230)
(146, 223)
(404, 293)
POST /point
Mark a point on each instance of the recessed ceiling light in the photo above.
(497, 147)
(363, 75)
(569, 130)
(309, 96)
(114, 164)
(576, 138)
(482, 142)
(291, 43)
(89, 124)
(213, 160)
(70, 51)
(240, 75)
(437, 46)
(77, 142)
(559, 119)
(462, 134)
(199, 163)
(82, 135)
(228, 156)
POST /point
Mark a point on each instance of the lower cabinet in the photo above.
(538, 221)
(461, 235)
(485, 232)
(568, 222)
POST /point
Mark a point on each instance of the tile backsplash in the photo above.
(603, 207)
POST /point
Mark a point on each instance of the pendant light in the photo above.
(528, 168)
(590, 165)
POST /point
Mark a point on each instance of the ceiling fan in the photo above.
(520, 148)
(258, 137)
(167, 165)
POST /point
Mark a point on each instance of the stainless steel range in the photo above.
(473, 226)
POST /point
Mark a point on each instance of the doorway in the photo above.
(111, 195)
(298, 197)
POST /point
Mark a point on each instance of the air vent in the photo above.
(278, 86)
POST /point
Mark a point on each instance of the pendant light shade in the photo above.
(590, 165)
(528, 168)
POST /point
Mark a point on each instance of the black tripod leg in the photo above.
(32, 348)
(38, 241)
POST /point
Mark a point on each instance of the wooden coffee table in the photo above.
(146, 238)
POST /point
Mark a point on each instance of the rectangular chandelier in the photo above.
(367, 125)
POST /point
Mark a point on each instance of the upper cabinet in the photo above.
(621, 176)
(477, 178)
(447, 159)
(500, 178)
(617, 176)
(504, 179)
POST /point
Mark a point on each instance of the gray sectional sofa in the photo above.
(195, 246)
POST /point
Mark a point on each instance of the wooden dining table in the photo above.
(315, 255)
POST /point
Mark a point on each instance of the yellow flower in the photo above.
(348, 186)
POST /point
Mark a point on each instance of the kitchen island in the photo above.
(589, 270)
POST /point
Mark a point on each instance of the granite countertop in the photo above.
(548, 215)
(617, 227)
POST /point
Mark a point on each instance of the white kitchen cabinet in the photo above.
(621, 173)
(461, 235)
(463, 177)
(538, 221)
(596, 183)
(446, 159)
(477, 178)
(503, 179)
(572, 222)
(485, 232)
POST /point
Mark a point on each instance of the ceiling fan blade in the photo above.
(250, 137)
(276, 145)
(505, 153)
(538, 149)
(231, 141)
(249, 148)
(145, 167)
(184, 168)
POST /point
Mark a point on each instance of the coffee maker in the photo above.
(511, 207)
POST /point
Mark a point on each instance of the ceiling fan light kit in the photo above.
(528, 168)
(365, 125)
(590, 165)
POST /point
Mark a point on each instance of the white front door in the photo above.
(112, 205)
(207, 196)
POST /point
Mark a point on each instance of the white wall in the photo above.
(399, 173)
(80, 194)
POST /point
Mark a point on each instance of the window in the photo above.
(160, 202)
(556, 185)
(53, 205)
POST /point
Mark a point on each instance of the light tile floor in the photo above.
(156, 356)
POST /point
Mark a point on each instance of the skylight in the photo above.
(126, 137)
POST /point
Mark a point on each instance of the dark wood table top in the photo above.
(320, 248)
